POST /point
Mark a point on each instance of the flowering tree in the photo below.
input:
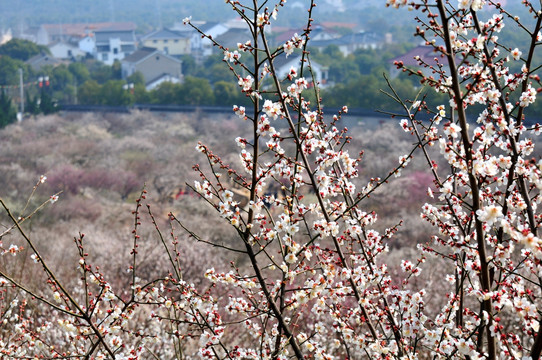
(310, 278)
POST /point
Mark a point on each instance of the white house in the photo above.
(88, 44)
(349, 43)
(283, 65)
(107, 42)
(64, 50)
(115, 42)
(202, 47)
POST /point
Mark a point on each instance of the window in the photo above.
(115, 50)
(165, 41)
(176, 41)
(105, 57)
(166, 50)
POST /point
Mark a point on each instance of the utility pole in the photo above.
(75, 89)
(21, 94)
(159, 13)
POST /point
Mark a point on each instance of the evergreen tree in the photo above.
(8, 115)
(47, 103)
(31, 104)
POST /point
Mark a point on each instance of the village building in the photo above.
(349, 43)
(155, 66)
(37, 62)
(115, 42)
(170, 42)
(64, 50)
(201, 47)
(416, 58)
(107, 41)
(283, 65)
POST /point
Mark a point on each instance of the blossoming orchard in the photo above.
(308, 276)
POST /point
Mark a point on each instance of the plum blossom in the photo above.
(472, 4)
(405, 125)
(231, 56)
(516, 54)
(289, 48)
(452, 130)
(272, 109)
(246, 83)
(261, 19)
(490, 214)
(239, 111)
(396, 3)
(295, 42)
(528, 97)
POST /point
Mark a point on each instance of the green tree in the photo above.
(343, 70)
(196, 91)
(136, 78)
(61, 77)
(213, 70)
(189, 65)
(90, 93)
(9, 68)
(333, 51)
(79, 71)
(166, 93)
(47, 104)
(141, 95)
(99, 72)
(8, 115)
(227, 93)
(31, 104)
(217, 73)
(116, 70)
(114, 93)
(367, 60)
(22, 49)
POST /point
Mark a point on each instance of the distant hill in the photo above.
(21, 15)
(149, 13)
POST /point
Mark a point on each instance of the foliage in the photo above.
(47, 104)
(31, 105)
(21, 49)
(9, 70)
(79, 71)
(89, 92)
(195, 91)
(166, 93)
(8, 114)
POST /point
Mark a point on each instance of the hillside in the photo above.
(100, 163)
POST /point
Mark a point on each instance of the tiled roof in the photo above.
(350, 39)
(83, 29)
(233, 36)
(427, 54)
(164, 34)
(120, 26)
(144, 53)
(139, 54)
